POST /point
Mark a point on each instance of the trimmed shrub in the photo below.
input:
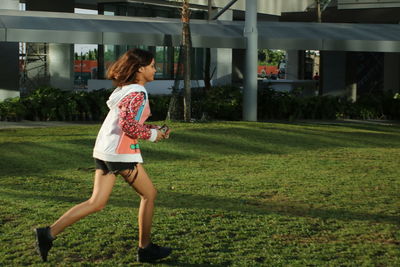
(48, 103)
(217, 103)
(12, 109)
(159, 106)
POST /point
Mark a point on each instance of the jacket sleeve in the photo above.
(128, 109)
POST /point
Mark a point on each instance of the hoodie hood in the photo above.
(120, 92)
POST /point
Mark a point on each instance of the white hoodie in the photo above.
(110, 134)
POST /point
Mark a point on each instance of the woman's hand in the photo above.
(160, 135)
(167, 133)
(166, 130)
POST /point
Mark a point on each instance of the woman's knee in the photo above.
(96, 205)
(150, 194)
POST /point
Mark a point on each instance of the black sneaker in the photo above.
(44, 242)
(152, 253)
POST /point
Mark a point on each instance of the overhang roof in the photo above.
(52, 27)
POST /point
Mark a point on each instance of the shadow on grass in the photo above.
(390, 127)
(175, 200)
(338, 138)
(238, 139)
(175, 263)
(30, 157)
(258, 141)
(27, 158)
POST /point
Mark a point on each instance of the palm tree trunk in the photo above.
(319, 19)
(207, 64)
(186, 60)
(172, 113)
(319, 14)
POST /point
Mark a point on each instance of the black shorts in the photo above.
(114, 167)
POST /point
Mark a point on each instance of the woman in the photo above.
(117, 152)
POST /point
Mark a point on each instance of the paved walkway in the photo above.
(39, 124)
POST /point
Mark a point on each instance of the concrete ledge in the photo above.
(4, 94)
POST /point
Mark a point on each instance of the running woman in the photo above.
(117, 152)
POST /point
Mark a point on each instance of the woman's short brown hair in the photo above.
(123, 71)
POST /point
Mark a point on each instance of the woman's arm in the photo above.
(129, 107)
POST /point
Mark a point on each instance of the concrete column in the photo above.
(221, 59)
(238, 67)
(9, 61)
(61, 69)
(60, 56)
(292, 65)
(351, 76)
(250, 79)
(221, 62)
(391, 72)
(100, 49)
(334, 73)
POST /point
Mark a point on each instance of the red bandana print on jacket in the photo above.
(132, 126)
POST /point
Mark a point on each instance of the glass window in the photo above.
(166, 58)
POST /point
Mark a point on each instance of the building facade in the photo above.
(342, 70)
(37, 64)
(353, 73)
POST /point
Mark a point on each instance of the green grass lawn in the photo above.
(230, 194)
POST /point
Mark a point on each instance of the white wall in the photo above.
(9, 4)
(164, 87)
(157, 87)
(4, 94)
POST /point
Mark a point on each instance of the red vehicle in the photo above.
(268, 71)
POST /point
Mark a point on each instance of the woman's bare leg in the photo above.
(141, 182)
(102, 189)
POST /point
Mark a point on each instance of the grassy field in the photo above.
(230, 194)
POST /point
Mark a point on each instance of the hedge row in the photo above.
(225, 103)
(47, 103)
(218, 103)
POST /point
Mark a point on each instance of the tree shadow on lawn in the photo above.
(176, 200)
(35, 158)
(171, 262)
(273, 140)
(30, 158)
(338, 138)
(376, 127)
(192, 144)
